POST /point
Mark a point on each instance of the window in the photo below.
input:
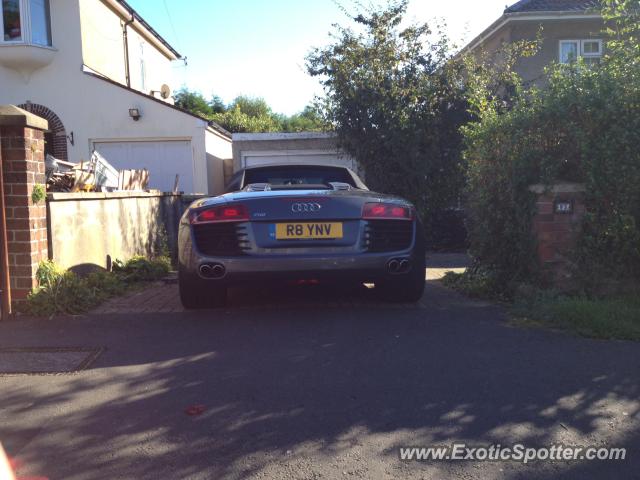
(40, 22)
(25, 21)
(295, 175)
(589, 50)
(592, 51)
(11, 21)
(143, 70)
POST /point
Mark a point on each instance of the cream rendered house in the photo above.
(101, 75)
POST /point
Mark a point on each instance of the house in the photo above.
(315, 148)
(100, 74)
(568, 28)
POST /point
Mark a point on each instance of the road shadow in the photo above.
(314, 392)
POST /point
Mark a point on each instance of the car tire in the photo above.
(407, 288)
(196, 293)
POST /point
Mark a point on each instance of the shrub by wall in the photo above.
(584, 127)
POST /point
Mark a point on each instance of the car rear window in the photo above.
(286, 176)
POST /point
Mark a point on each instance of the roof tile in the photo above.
(552, 6)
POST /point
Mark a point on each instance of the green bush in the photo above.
(476, 282)
(140, 269)
(62, 291)
(584, 126)
(65, 292)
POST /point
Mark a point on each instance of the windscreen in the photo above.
(298, 175)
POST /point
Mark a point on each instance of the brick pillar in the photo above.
(557, 225)
(22, 156)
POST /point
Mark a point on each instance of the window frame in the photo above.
(26, 29)
(561, 43)
(591, 55)
(580, 48)
(23, 23)
(47, 12)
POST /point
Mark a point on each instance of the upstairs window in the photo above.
(589, 50)
(40, 22)
(25, 21)
(11, 21)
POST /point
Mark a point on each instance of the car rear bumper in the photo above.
(258, 268)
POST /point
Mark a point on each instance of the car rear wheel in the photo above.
(196, 293)
(404, 288)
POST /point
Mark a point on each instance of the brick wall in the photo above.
(557, 228)
(58, 147)
(22, 156)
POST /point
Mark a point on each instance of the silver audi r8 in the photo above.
(299, 223)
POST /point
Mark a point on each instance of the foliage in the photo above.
(237, 121)
(584, 126)
(62, 291)
(140, 269)
(606, 318)
(217, 105)
(247, 114)
(308, 120)
(59, 291)
(395, 98)
(38, 193)
(193, 102)
(477, 283)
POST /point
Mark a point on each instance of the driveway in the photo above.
(321, 384)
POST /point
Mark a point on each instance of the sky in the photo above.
(258, 47)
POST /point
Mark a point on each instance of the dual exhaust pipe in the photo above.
(398, 265)
(217, 270)
(212, 270)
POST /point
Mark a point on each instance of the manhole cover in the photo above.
(46, 360)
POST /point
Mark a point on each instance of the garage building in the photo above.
(315, 148)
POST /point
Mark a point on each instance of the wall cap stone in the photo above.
(67, 196)
(540, 188)
(12, 116)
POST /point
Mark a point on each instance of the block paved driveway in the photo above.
(315, 384)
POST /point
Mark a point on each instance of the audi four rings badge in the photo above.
(305, 207)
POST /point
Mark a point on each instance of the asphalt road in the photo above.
(314, 390)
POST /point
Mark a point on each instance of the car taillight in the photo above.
(386, 211)
(223, 213)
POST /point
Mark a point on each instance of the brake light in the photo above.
(223, 213)
(386, 211)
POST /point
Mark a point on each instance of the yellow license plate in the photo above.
(302, 231)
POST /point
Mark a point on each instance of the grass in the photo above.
(615, 317)
(62, 291)
(605, 318)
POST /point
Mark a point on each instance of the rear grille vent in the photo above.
(388, 235)
(228, 239)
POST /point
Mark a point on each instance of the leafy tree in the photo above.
(193, 102)
(217, 105)
(235, 120)
(252, 106)
(395, 98)
(247, 114)
(306, 121)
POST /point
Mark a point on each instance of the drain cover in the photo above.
(46, 360)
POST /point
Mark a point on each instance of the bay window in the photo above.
(25, 21)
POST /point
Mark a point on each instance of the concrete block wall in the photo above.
(90, 230)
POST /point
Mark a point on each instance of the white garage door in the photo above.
(257, 158)
(163, 159)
